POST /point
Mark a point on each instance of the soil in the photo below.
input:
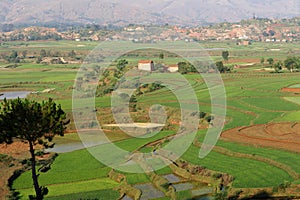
(276, 135)
(7, 168)
(16, 152)
(295, 90)
(245, 60)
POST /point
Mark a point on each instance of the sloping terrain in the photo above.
(184, 12)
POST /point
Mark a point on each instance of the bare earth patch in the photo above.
(138, 125)
(295, 90)
(17, 152)
(245, 60)
(276, 135)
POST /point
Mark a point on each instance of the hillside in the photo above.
(120, 12)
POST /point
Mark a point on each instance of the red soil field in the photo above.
(295, 90)
(245, 60)
(276, 135)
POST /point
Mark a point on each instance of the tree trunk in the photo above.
(37, 188)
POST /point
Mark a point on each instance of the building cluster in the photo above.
(243, 33)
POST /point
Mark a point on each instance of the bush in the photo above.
(39, 153)
(209, 118)
(202, 115)
(275, 189)
(221, 195)
(11, 165)
(217, 175)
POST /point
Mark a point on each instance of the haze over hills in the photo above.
(122, 12)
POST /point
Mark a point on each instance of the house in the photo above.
(244, 43)
(172, 68)
(146, 65)
(54, 60)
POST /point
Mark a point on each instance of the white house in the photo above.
(146, 65)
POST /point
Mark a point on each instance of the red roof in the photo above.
(146, 61)
(175, 66)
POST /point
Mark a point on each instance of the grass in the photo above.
(81, 173)
(289, 117)
(271, 104)
(252, 98)
(295, 86)
(98, 194)
(80, 167)
(266, 117)
(297, 182)
(74, 166)
(137, 178)
(288, 158)
(133, 143)
(78, 187)
(293, 99)
(247, 173)
(238, 119)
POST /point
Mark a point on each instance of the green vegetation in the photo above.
(98, 194)
(87, 168)
(253, 97)
(225, 55)
(292, 63)
(32, 123)
(247, 172)
(78, 187)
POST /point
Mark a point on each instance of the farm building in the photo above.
(146, 65)
(54, 60)
(244, 43)
(172, 68)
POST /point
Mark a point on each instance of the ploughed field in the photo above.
(284, 136)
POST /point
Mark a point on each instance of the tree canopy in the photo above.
(184, 68)
(225, 55)
(33, 123)
(292, 63)
(122, 64)
(222, 68)
(270, 61)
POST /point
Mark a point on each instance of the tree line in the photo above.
(290, 63)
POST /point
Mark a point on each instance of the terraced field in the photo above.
(256, 103)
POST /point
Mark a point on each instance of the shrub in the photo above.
(202, 115)
(209, 118)
(217, 175)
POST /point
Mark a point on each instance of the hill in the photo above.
(120, 12)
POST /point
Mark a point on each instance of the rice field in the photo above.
(253, 97)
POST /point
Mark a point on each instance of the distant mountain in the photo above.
(121, 12)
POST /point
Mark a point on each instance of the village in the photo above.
(243, 32)
(138, 100)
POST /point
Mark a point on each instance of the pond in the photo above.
(149, 191)
(14, 94)
(199, 191)
(69, 147)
